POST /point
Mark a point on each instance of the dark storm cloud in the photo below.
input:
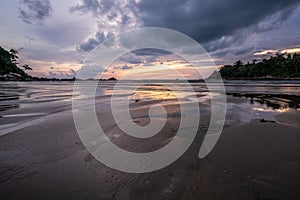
(143, 56)
(245, 43)
(238, 38)
(121, 10)
(235, 52)
(227, 29)
(111, 17)
(288, 35)
(132, 59)
(151, 52)
(35, 11)
(100, 7)
(91, 43)
(210, 20)
(95, 6)
(124, 67)
(244, 51)
(216, 24)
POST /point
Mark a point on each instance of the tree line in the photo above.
(278, 66)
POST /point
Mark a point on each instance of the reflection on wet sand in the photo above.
(8, 107)
(274, 101)
(9, 96)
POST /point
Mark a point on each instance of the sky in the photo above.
(54, 37)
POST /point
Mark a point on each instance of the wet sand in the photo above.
(253, 161)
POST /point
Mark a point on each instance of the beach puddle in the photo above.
(243, 108)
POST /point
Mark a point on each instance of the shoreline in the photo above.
(190, 81)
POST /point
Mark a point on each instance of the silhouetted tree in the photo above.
(9, 62)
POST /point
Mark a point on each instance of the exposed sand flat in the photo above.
(292, 118)
(253, 161)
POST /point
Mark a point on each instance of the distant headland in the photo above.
(281, 66)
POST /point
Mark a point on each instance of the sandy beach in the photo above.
(150, 100)
(42, 157)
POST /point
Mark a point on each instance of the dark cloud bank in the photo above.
(209, 20)
(35, 11)
(91, 43)
(225, 22)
